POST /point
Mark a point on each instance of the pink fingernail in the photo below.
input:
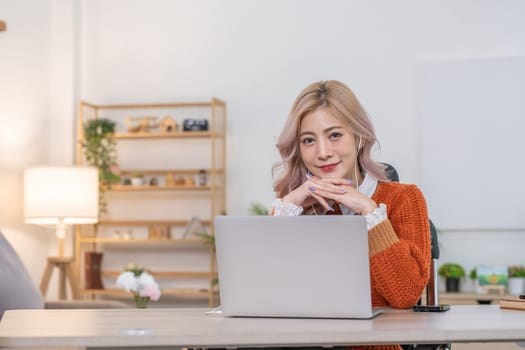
(348, 181)
(309, 176)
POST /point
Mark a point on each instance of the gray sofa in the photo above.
(17, 290)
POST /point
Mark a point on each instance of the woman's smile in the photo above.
(329, 167)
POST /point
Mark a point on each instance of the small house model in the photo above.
(159, 232)
(167, 124)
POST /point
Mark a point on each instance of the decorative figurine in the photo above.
(203, 177)
(170, 181)
(140, 124)
(167, 124)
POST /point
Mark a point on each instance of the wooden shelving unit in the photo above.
(214, 193)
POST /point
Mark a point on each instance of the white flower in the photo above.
(145, 279)
(128, 281)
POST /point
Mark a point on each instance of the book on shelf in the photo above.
(512, 303)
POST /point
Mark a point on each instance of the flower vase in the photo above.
(141, 302)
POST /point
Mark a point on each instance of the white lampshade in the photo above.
(61, 194)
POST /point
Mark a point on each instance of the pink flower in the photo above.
(151, 290)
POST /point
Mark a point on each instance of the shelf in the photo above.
(155, 105)
(188, 241)
(167, 171)
(149, 222)
(167, 274)
(474, 296)
(129, 188)
(176, 292)
(164, 135)
(471, 298)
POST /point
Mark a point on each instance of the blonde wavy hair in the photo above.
(337, 99)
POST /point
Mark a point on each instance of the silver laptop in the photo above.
(294, 266)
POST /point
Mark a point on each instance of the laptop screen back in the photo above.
(293, 266)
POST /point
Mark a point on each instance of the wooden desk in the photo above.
(191, 328)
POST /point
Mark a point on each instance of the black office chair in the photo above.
(391, 172)
(432, 294)
(431, 290)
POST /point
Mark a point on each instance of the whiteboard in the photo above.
(472, 147)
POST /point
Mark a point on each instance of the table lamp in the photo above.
(59, 196)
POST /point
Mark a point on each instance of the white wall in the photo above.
(36, 109)
(257, 55)
(24, 103)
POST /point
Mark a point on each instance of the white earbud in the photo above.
(359, 145)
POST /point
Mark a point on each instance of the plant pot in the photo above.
(452, 284)
(137, 181)
(468, 285)
(516, 285)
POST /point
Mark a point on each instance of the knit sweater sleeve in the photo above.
(400, 249)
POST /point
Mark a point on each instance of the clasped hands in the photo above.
(317, 190)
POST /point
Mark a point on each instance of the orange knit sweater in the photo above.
(399, 249)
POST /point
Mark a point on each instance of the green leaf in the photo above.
(258, 209)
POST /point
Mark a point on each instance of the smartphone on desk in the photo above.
(431, 308)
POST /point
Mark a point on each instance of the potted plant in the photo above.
(100, 151)
(140, 283)
(452, 273)
(516, 282)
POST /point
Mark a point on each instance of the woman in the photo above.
(327, 168)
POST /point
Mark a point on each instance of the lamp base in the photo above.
(65, 268)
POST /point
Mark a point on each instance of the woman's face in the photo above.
(327, 147)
